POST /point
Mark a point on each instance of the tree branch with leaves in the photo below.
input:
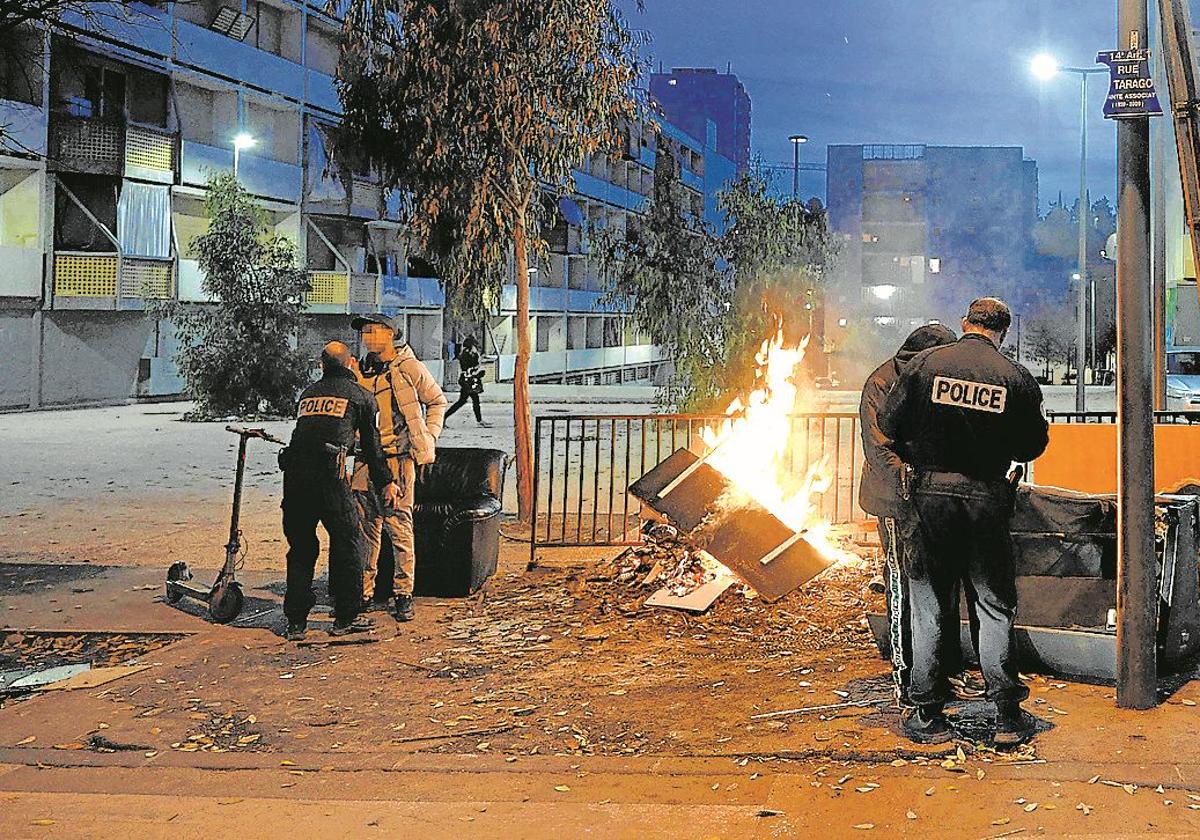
(471, 110)
(711, 298)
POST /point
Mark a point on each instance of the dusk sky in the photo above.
(950, 72)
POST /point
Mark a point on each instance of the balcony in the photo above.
(201, 47)
(411, 292)
(262, 176)
(85, 280)
(335, 292)
(85, 144)
(110, 147)
(322, 92)
(151, 154)
(589, 186)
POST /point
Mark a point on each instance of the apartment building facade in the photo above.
(921, 229)
(106, 150)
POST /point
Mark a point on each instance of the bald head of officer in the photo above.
(335, 354)
(990, 317)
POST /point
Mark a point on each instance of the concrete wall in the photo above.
(16, 374)
(92, 356)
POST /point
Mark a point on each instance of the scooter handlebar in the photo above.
(255, 433)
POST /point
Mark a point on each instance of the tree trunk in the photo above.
(522, 415)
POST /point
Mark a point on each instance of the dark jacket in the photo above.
(965, 408)
(333, 410)
(879, 485)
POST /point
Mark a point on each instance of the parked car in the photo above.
(1183, 382)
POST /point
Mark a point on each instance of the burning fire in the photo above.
(751, 448)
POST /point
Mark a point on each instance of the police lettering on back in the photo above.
(961, 393)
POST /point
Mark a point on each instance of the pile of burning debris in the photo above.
(670, 562)
(730, 506)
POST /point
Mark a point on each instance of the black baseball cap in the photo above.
(379, 318)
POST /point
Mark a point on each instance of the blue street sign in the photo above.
(1131, 88)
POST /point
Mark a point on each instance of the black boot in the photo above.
(359, 624)
(926, 725)
(1013, 725)
(296, 630)
(404, 608)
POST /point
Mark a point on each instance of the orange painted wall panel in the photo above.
(1084, 457)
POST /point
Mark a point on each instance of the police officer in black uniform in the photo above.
(959, 416)
(316, 489)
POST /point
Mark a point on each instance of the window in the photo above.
(21, 68)
(542, 325)
(83, 89)
(612, 332)
(322, 47)
(1183, 364)
(277, 131)
(148, 97)
(276, 30)
(206, 116)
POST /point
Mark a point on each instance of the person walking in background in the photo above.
(470, 379)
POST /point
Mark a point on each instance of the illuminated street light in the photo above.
(241, 141)
(1044, 66)
(797, 141)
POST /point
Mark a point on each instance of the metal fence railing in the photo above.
(583, 465)
(1160, 417)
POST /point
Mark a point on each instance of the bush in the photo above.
(237, 355)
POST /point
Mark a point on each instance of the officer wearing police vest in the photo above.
(332, 411)
(958, 418)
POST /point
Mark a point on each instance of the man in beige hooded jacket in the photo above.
(412, 408)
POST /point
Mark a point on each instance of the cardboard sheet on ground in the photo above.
(737, 537)
(95, 677)
(697, 601)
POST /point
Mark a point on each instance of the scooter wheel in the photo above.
(226, 603)
(177, 573)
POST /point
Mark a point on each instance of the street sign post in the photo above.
(1132, 101)
(1131, 92)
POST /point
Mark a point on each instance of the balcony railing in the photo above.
(343, 292)
(84, 144)
(98, 275)
(110, 147)
(146, 278)
(86, 274)
(328, 288)
(151, 153)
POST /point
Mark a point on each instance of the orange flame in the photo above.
(751, 447)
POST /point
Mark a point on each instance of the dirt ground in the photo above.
(552, 703)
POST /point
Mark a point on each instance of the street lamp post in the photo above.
(241, 141)
(1046, 67)
(797, 141)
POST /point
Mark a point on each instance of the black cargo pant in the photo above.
(965, 523)
(314, 493)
